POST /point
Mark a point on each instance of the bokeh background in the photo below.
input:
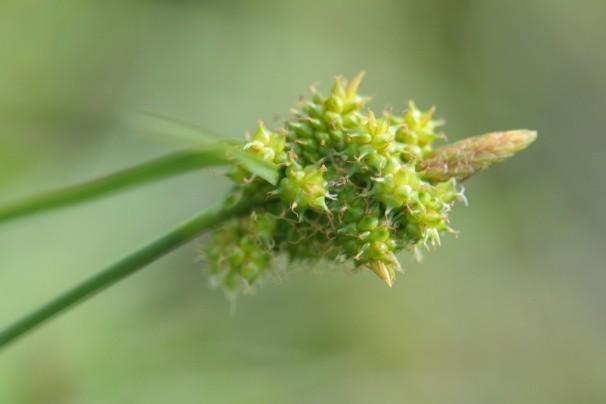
(511, 311)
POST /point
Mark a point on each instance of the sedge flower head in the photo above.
(354, 187)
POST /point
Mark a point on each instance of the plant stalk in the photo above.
(160, 168)
(123, 268)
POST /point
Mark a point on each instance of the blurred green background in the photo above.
(511, 311)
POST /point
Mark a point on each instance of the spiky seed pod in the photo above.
(241, 251)
(304, 187)
(267, 145)
(353, 187)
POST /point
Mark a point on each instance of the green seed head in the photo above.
(353, 187)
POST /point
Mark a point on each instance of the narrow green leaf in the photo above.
(184, 133)
(196, 136)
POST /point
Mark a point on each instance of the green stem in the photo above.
(123, 268)
(163, 167)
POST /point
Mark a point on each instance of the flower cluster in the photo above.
(353, 187)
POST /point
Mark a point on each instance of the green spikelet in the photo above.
(353, 187)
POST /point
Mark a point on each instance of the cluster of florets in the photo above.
(350, 190)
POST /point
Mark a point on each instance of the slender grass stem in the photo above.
(122, 268)
(163, 167)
